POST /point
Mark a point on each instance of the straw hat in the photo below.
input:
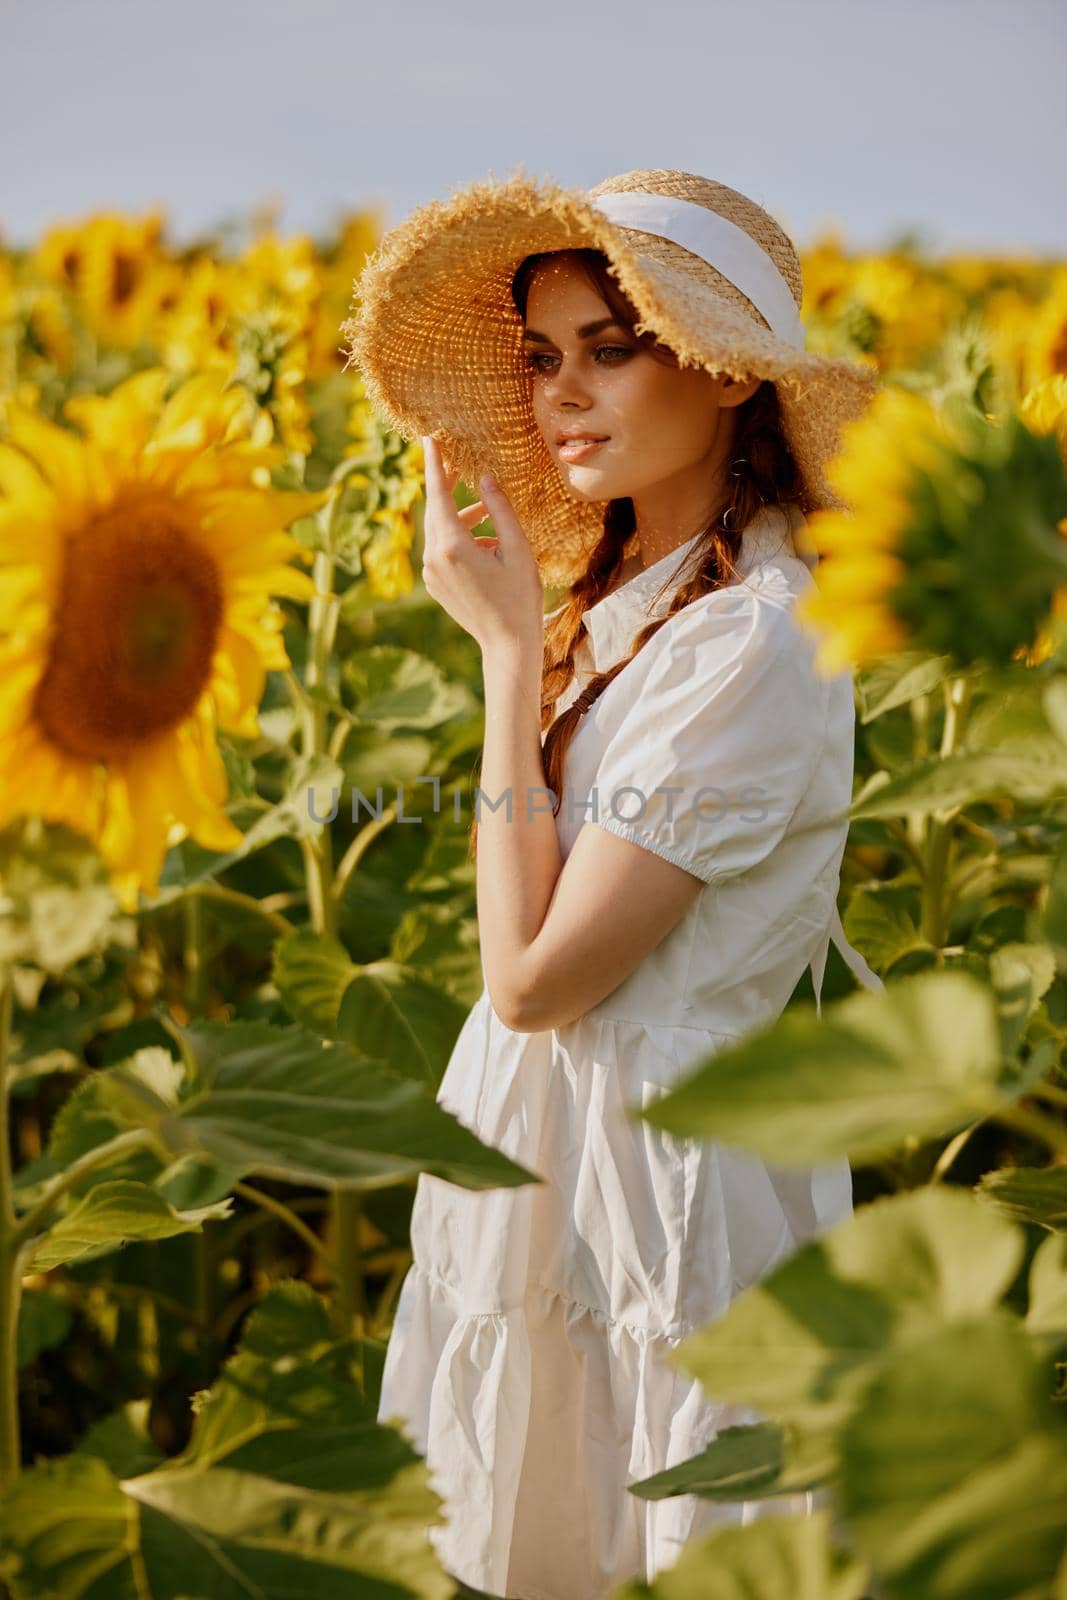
(437, 338)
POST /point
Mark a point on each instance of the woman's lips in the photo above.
(578, 449)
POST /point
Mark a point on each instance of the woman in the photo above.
(669, 862)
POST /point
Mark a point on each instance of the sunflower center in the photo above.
(137, 619)
(1058, 353)
(123, 278)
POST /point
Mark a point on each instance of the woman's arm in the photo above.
(555, 939)
(518, 861)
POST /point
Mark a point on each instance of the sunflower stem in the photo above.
(247, 902)
(193, 954)
(11, 1263)
(899, 832)
(952, 1150)
(937, 845)
(284, 1213)
(351, 1305)
(196, 994)
(920, 719)
(358, 847)
(318, 867)
(339, 737)
(318, 851)
(324, 910)
(101, 1155)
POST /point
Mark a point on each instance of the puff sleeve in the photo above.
(720, 739)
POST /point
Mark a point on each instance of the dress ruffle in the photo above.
(536, 1496)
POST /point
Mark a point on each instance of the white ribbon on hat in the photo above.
(719, 242)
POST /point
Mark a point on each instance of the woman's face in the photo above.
(659, 421)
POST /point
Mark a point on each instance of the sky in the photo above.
(945, 120)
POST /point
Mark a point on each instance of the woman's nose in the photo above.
(566, 383)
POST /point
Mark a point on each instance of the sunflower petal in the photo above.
(58, 452)
(22, 482)
(149, 812)
(244, 673)
(123, 420)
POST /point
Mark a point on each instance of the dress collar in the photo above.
(614, 620)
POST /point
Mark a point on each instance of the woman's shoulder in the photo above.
(753, 614)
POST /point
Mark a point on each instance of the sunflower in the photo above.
(953, 541)
(1028, 330)
(1044, 411)
(116, 269)
(196, 331)
(386, 561)
(358, 236)
(137, 564)
(1047, 353)
(860, 565)
(1044, 408)
(909, 307)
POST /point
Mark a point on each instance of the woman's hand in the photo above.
(489, 585)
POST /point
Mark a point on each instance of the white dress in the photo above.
(527, 1360)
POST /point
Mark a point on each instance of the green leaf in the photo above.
(1010, 713)
(289, 1490)
(57, 905)
(292, 1317)
(1047, 1311)
(1020, 974)
(770, 1559)
(896, 680)
(383, 1009)
(802, 1344)
(110, 1215)
(1054, 705)
(738, 1464)
(1035, 771)
(392, 1013)
(1027, 1194)
(240, 769)
(919, 1059)
(447, 864)
(83, 1122)
(278, 1101)
(954, 1468)
(311, 972)
(92, 1116)
(1055, 914)
(44, 1322)
(398, 688)
(122, 1440)
(879, 921)
(376, 759)
(443, 945)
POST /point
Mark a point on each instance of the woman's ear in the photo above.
(735, 391)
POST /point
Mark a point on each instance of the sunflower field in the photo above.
(238, 941)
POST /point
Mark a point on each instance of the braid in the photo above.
(764, 472)
(566, 631)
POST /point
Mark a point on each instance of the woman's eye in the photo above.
(534, 361)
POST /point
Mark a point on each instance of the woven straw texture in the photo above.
(436, 337)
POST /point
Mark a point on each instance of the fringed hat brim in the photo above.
(438, 342)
